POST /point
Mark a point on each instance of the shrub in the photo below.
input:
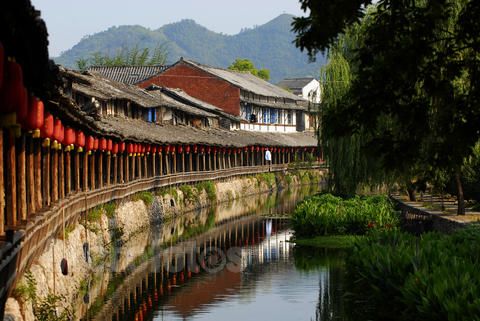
(146, 197)
(330, 215)
(209, 188)
(109, 209)
(188, 193)
(397, 276)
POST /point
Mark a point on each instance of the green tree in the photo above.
(127, 57)
(415, 88)
(246, 65)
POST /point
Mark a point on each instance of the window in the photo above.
(289, 117)
(266, 115)
(273, 116)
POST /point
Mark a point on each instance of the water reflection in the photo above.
(218, 264)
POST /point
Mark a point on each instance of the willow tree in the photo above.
(350, 166)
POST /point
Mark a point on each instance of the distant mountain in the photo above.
(268, 46)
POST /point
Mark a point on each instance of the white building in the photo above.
(307, 88)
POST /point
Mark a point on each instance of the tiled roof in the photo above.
(128, 74)
(295, 83)
(246, 81)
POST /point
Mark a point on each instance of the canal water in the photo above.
(221, 264)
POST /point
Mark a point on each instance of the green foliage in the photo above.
(127, 57)
(110, 209)
(146, 197)
(330, 215)
(209, 188)
(267, 178)
(189, 194)
(95, 214)
(398, 276)
(44, 309)
(245, 65)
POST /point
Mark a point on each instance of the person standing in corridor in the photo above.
(268, 158)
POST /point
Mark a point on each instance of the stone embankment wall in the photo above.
(96, 236)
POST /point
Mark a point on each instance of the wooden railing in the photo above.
(26, 242)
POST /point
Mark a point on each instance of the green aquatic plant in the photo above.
(326, 214)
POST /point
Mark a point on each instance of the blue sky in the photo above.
(68, 21)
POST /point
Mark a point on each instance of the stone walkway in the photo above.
(433, 205)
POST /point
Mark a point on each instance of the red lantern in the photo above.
(90, 144)
(95, 143)
(35, 116)
(12, 88)
(195, 148)
(252, 148)
(115, 148)
(215, 150)
(69, 136)
(239, 150)
(209, 149)
(109, 145)
(47, 129)
(103, 144)
(179, 149)
(144, 149)
(245, 149)
(58, 130)
(148, 148)
(154, 149)
(202, 149)
(187, 149)
(80, 139)
(130, 148)
(257, 148)
(121, 147)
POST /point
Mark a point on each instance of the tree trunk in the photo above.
(411, 194)
(460, 198)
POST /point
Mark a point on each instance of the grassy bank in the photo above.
(329, 241)
(397, 276)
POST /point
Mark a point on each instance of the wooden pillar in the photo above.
(109, 168)
(92, 171)
(252, 161)
(224, 161)
(167, 163)
(160, 160)
(183, 162)
(154, 165)
(235, 159)
(203, 162)
(22, 179)
(127, 168)
(132, 175)
(190, 162)
(145, 165)
(120, 164)
(241, 158)
(174, 167)
(76, 165)
(197, 165)
(54, 171)
(31, 204)
(68, 172)
(215, 161)
(2, 187)
(100, 169)
(115, 168)
(11, 181)
(85, 171)
(209, 162)
(38, 174)
(61, 176)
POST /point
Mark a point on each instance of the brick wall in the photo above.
(199, 84)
